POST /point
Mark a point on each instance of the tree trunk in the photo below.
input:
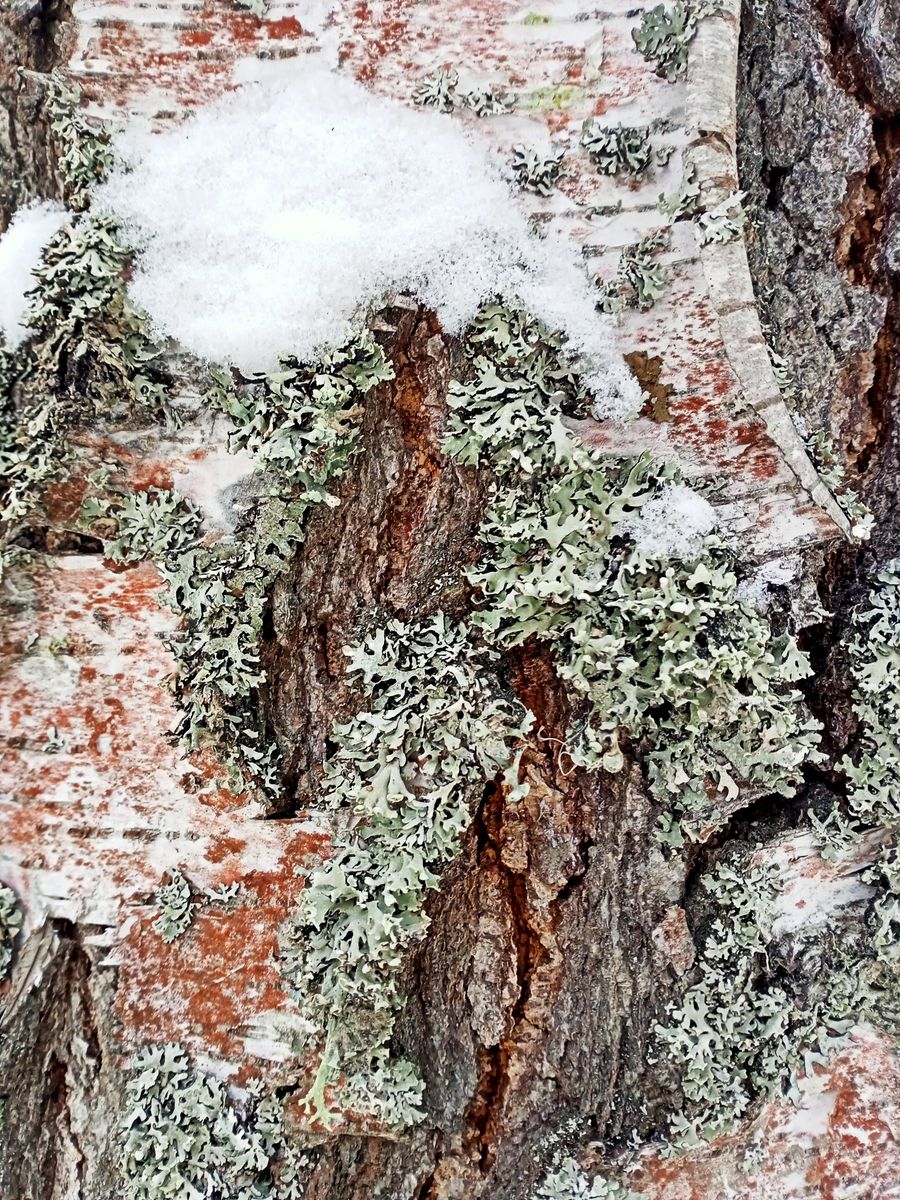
(565, 932)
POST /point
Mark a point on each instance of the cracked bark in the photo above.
(533, 997)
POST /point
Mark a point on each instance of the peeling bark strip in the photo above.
(567, 931)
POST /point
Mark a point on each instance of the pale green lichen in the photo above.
(833, 474)
(301, 422)
(755, 1019)
(301, 426)
(11, 918)
(535, 172)
(685, 201)
(176, 904)
(180, 1137)
(822, 450)
(723, 222)
(617, 148)
(662, 650)
(84, 152)
(750, 1027)
(873, 772)
(641, 278)
(435, 728)
(176, 909)
(88, 352)
(441, 90)
(665, 33)
(566, 1180)
(258, 8)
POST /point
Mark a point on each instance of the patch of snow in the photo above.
(276, 218)
(20, 252)
(674, 524)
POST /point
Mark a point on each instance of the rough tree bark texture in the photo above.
(559, 936)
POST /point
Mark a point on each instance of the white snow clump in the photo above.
(674, 524)
(20, 252)
(274, 218)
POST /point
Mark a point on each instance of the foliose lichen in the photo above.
(833, 474)
(301, 426)
(723, 222)
(441, 90)
(617, 148)
(873, 771)
(435, 728)
(176, 909)
(641, 278)
(535, 172)
(89, 352)
(180, 1137)
(765, 1009)
(664, 651)
(84, 151)
(11, 918)
(665, 33)
(567, 1181)
(685, 201)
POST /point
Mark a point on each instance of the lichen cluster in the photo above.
(435, 729)
(641, 276)
(176, 909)
(723, 222)
(84, 152)
(659, 650)
(89, 353)
(685, 200)
(441, 90)
(301, 426)
(567, 1181)
(11, 918)
(665, 33)
(822, 450)
(872, 776)
(176, 902)
(536, 172)
(833, 474)
(620, 148)
(746, 1028)
(181, 1137)
(765, 1008)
